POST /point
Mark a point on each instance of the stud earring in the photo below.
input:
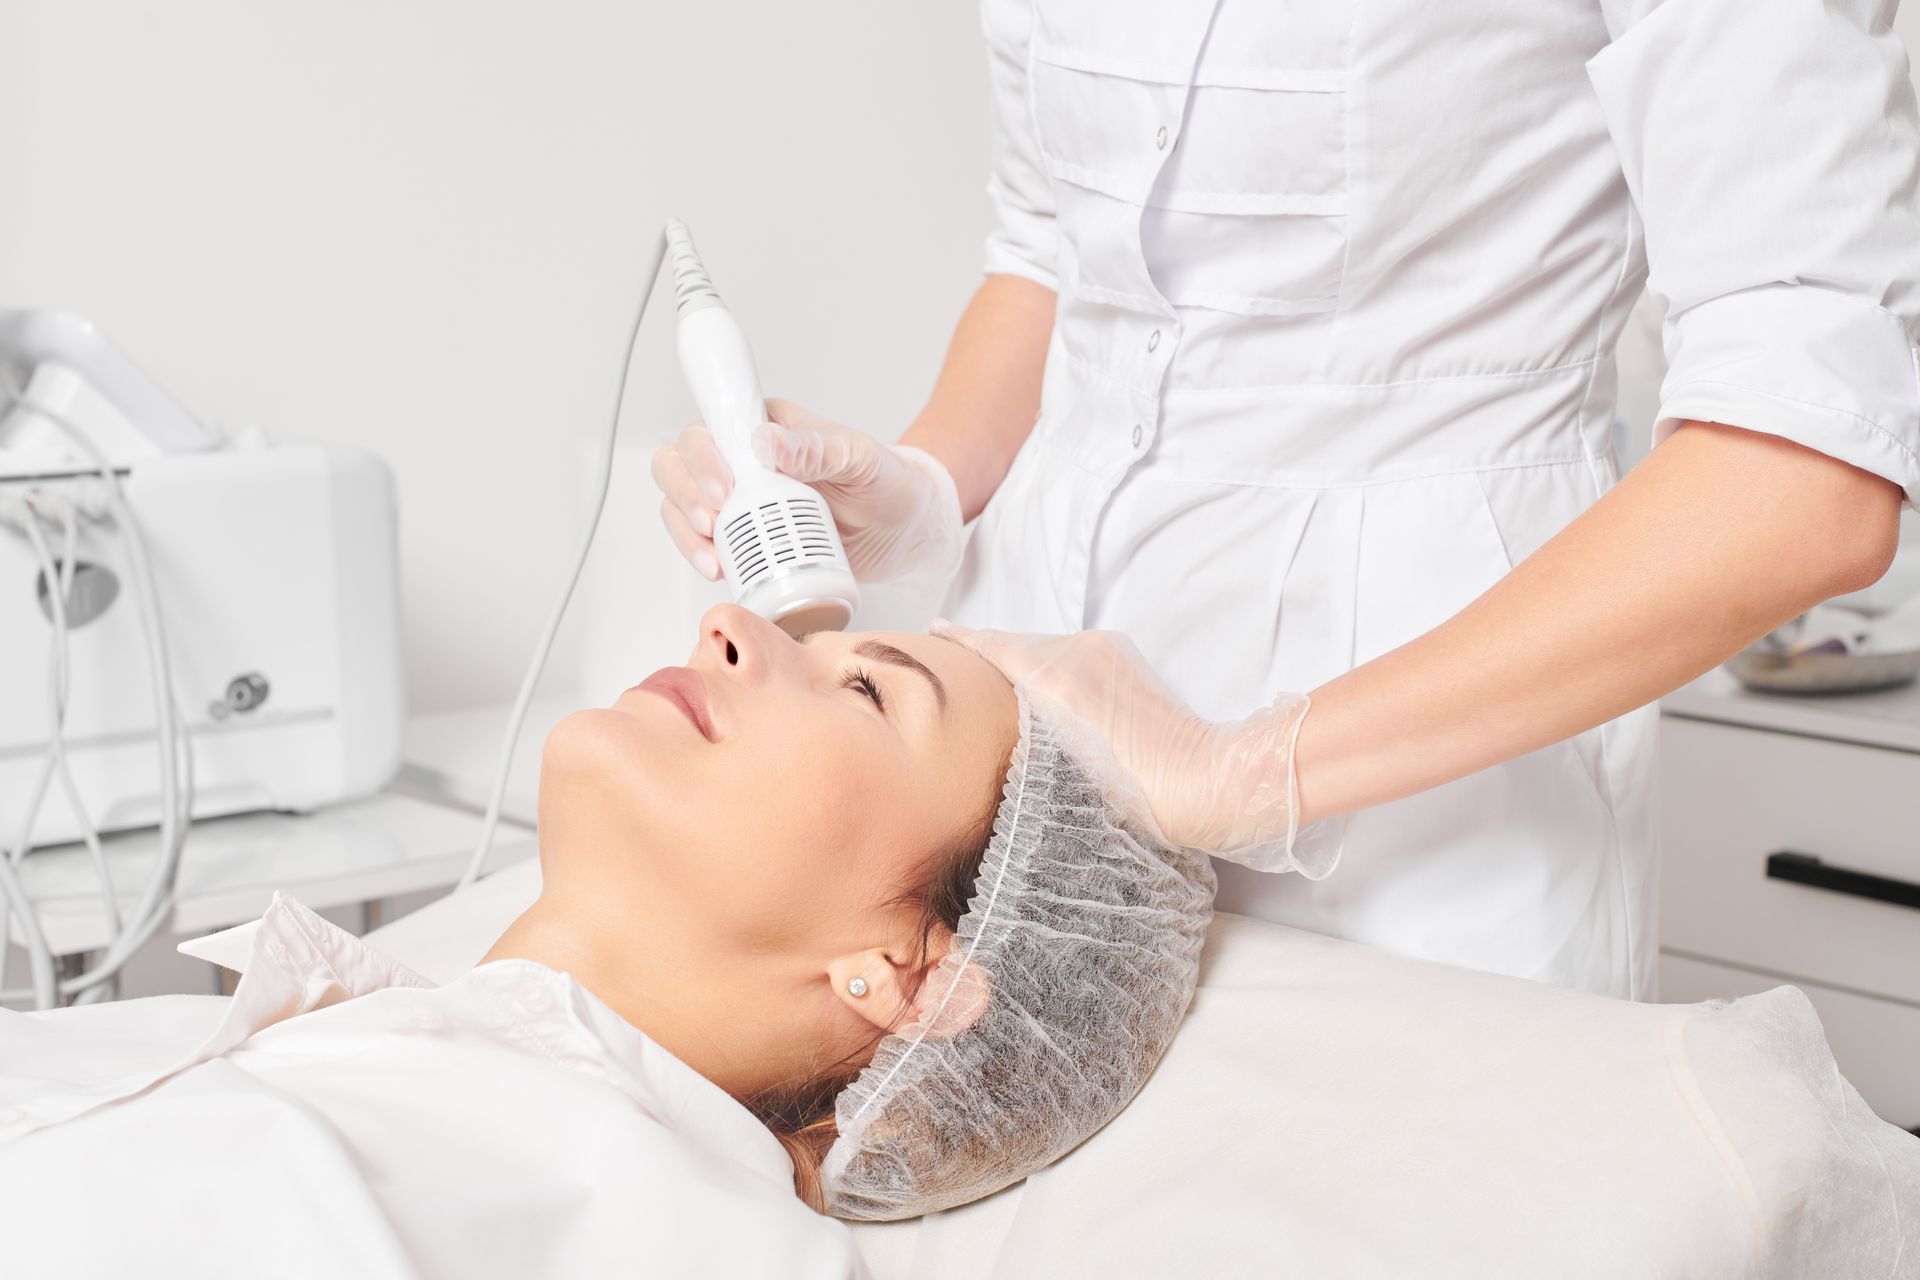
(856, 987)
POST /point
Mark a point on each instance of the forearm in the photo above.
(1717, 538)
(988, 393)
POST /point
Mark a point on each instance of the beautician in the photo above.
(1294, 364)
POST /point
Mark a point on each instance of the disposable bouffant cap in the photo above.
(1067, 978)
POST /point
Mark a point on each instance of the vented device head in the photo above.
(782, 557)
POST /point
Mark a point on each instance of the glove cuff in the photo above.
(945, 498)
(1313, 850)
(926, 561)
(1275, 840)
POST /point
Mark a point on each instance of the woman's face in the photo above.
(778, 795)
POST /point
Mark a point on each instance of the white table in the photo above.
(415, 836)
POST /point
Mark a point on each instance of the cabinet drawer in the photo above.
(1876, 1042)
(1731, 797)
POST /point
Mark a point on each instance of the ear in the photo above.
(883, 982)
(900, 993)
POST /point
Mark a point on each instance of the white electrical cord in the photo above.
(58, 576)
(514, 721)
(62, 662)
(109, 900)
(40, 957)
(176, 763)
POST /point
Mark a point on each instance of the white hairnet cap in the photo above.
(1068, 975)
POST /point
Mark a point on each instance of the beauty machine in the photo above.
(191, 624)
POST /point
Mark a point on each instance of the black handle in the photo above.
(1804, 868)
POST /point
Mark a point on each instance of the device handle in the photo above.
(719, 367)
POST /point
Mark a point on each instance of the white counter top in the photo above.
(416, 835)
(1890, 718)
(383, 846)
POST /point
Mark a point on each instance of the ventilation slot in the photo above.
(773, 525)
(793, 531)
(810, 528)
(745, 550)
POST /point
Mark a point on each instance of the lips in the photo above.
(683, 687)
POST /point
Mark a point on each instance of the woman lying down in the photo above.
(839, 926)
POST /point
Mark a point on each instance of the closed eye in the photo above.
(855, 678)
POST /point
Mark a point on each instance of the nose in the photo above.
(739, 643)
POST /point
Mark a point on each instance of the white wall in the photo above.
(418, 227)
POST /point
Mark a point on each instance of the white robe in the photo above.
(342, 1116)
(1339, 287)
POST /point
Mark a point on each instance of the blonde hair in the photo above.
(807, 1147)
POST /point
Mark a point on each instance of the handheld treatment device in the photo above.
(779, 550)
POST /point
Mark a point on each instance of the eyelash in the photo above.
(855, 678)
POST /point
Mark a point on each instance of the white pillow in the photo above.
(1333, 1110)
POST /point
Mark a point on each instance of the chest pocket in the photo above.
(1201, 154)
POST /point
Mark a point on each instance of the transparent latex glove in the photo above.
(1228, 789)
(896, 507)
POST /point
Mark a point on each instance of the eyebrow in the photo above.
(881, 651)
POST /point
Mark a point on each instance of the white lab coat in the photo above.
(1339, 287)
(341, 1116)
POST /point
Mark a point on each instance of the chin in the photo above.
(600, 741)
(601, 773)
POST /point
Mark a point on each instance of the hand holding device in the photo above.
(896, 507)
(894, 510)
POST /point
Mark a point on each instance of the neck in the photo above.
(698, 1007)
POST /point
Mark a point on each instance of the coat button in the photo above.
(1153, 340)
(1160, 138)
(1137, 434)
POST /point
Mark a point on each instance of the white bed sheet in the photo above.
(1333, 1110)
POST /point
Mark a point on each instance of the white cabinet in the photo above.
(1751, 788)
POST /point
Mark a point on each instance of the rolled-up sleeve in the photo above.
(1023, 241)
(1773, 151)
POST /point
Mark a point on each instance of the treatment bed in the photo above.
(1329, 1109)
